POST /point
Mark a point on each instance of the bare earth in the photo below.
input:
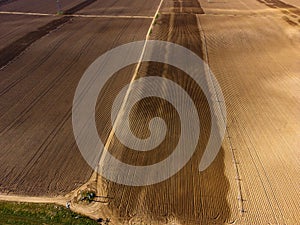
(48, 6)
(256, 61)
(253, 49)
(12, 27)
(36, 101)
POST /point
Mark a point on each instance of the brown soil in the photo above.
(253, 53)
(12, 27)
(36, 99)
(255, 59)
(122, 7)
(48, 6)
(9, 52)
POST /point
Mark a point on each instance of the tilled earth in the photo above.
(252, 48)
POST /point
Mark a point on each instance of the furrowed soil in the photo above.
(252, 48)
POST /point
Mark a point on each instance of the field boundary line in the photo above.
(112, 16)
(111, 134)
(27, 13)
(77, 15)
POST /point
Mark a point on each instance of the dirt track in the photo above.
(252, 49)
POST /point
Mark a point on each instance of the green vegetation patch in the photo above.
(32, 213)
(87, 196)
(60, 12)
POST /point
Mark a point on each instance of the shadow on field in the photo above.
(189, 197)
